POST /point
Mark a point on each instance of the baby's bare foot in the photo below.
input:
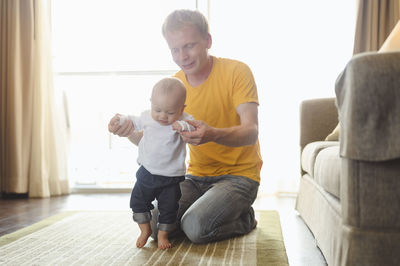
(163, 242)
(145, 233)
(142, 239)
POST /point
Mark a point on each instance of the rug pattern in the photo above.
(108, 238)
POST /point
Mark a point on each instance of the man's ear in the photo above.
(209, 41)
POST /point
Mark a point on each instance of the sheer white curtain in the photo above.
(49, 133)
(32, 137)
(296, 50)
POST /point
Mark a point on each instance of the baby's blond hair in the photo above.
(171, 85)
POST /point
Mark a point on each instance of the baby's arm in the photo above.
(181, 125)
(137, 134)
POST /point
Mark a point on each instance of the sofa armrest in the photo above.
(318, 117)
(368, 97)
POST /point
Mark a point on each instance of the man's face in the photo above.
(189, 49)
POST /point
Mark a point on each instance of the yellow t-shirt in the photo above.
(229, 84)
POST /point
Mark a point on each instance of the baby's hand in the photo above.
(176, 126)
(181, 125)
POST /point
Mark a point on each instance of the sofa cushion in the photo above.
(327, 170)
(310, 152)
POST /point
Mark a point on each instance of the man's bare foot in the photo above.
(145, 233)
(255, 224)
(163, 242)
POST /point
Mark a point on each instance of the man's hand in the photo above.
(241, 135)
(124, 130)
(202, 133)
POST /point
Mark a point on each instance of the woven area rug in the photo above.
(108, 238)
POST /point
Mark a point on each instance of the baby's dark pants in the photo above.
(164, 189)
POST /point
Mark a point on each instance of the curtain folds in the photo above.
(32, 137)
(375, 21)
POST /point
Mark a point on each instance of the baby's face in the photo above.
(165, 109)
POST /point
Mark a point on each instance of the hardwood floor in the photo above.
(18, 213)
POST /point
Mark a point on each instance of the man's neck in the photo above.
(198, 78)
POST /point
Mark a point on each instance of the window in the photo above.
(107, 55)
(296, 50)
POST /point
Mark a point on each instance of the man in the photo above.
(223, 174)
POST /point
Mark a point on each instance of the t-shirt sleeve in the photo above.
(244, 87)
(187, 116)
(138, 121)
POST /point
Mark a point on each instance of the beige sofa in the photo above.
(349, 193)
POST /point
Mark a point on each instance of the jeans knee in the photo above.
(193, 229)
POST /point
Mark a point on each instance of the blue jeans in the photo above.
(215, 208)
(165, 189)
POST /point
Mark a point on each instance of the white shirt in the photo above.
(161, 149)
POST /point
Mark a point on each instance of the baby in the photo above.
(162, 158)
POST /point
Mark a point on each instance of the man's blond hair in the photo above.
(178, 19)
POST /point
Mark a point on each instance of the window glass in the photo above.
(105, 35)
(107, 55)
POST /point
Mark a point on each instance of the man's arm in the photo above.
(244, 134)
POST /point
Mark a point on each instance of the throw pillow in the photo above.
(334, 135)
